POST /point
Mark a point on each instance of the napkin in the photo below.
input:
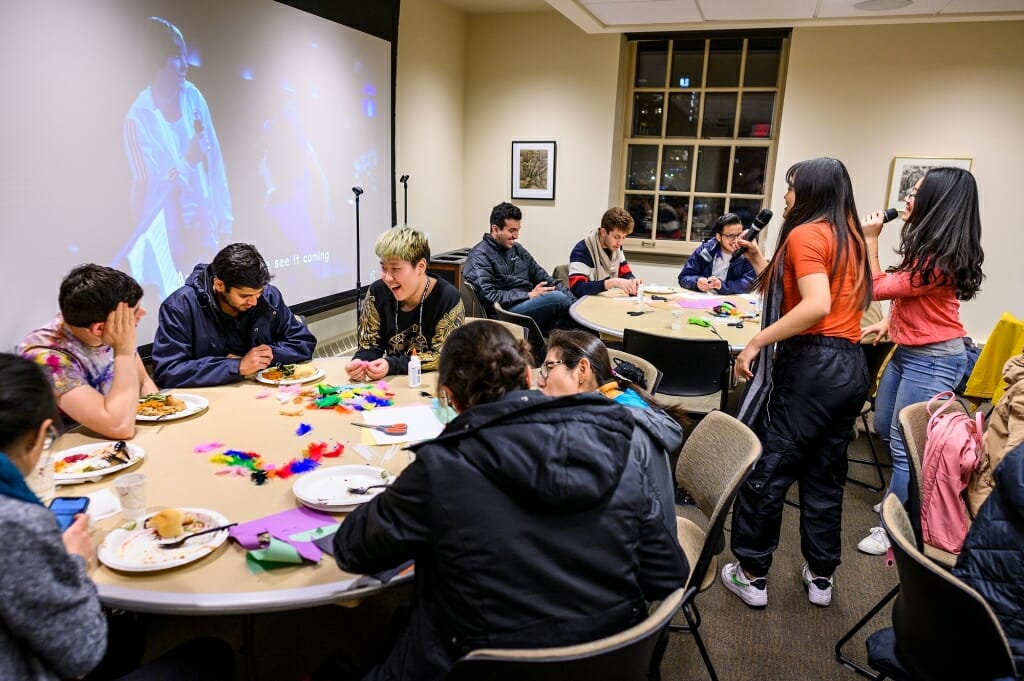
(103, 504)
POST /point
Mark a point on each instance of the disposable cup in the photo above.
(131, 491)
(677, 320)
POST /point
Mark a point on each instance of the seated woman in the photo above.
(578, 362)
(405, 310)
(501, 511)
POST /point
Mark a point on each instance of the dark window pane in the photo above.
(676, 166)
(687, 63)
(756, 111)
(683, 109)
(672, 212)
(712, 169)
(746, 209)
(763, 56)
(705, 211)
(724, 62)
(748, 170)
(641, 208)
(642, 171)
(647, 108)
(651, 63)
(719, 114)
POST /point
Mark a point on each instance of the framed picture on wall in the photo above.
(533, 170)
(907, 170)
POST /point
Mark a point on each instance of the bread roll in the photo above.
(304, 370)
(167, 523)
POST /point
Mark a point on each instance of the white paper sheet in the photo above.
(423, 424)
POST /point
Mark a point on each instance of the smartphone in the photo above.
(66, 508)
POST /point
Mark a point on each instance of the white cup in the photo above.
(131, 491)
(677, 320)
(640, 293)
(40, 478)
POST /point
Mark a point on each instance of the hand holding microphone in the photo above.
(872, 225)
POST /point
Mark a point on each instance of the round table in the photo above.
(176, 476)
(608, 313)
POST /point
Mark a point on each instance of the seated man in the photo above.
(504, 272)
(716, 266)
(530, 521)
(88, 351)
(404, 310)
(227, 322)
(597, 262)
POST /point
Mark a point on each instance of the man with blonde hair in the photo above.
(597, 263)
(406, 310)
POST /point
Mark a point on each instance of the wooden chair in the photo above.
(633, 655)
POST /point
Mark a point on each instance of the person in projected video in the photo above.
(179, 197)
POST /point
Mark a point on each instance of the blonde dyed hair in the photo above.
(404, 243)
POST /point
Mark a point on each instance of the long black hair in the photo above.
(941, 239)
(824, 192)
(26, 399)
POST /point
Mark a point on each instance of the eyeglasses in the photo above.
(545, 368)
(51, 436)
(732, 237)
(910, 194)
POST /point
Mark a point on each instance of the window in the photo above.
(701, 134)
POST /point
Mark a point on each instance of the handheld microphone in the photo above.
(357, 190)
(890, 214)
(760, 222)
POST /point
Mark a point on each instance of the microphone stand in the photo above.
(404, 179)
(359, 286)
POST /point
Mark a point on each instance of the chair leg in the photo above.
(874, 462)
(692, 615)
(849, 663)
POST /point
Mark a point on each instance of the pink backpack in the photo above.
(952, 448)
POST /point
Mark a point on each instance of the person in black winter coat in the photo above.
(993, 553)
(530, 523)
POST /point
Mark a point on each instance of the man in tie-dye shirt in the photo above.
(88, 350)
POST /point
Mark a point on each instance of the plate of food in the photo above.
(288, 374)
(91, 462)
(170, 406)
(137, 547)
(331, 489)
(659, 290)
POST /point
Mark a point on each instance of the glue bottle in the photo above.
(414, 370)
(640, 292)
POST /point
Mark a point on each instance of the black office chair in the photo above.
(538, 344)
(690, 368)
(471, 301)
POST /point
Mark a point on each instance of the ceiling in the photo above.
(614, 16)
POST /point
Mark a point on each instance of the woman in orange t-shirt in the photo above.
(804, 404)
(942, 256)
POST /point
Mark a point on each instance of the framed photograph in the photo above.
(907, 170)
(533, 170)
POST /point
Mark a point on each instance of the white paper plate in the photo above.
(73, 474)
(327, 489)
(291, 381)
(659, 289)
(139, 550)
(193, 405)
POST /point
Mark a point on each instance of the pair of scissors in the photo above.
(393, 429)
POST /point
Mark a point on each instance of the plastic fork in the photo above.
(393, 429)
(364, 490)
(175, 543)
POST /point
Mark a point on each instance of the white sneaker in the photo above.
(753, 592)
(877, 508)
(876, 543)
(819, 589)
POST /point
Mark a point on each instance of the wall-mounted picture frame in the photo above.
(907, 170)
(533, 170)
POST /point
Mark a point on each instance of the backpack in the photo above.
(952, 448)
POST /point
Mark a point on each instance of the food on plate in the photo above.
(114, 454)
(285, 372)
(159, 404)
(173, 522)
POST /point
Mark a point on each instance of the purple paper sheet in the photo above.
(699, 303)
(281, 526)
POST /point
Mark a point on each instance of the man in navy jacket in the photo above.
(227, 322)
(717, 266)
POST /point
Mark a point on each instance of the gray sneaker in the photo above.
(753, 592)
(819, 589)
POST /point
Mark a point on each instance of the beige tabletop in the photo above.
(607, 313)
(220, 583)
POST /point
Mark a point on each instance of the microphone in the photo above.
(357, 190)
(403, 179)
(760, 222)
(890, 214)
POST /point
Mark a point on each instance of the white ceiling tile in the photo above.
(742, 10)
(644, 12)
(836, 9)
(965, 6)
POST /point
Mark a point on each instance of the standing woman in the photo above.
(804, 404)
(942, 256)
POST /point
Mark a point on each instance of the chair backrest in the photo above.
(651, 372)
(713, 464)
(514, 329)
(534, 337)
(627, 656)
(471, 301)
(943, 628)
(689, 367)
(561, 272)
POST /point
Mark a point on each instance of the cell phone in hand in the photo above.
(66, 508)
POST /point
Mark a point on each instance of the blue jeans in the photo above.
(546, 309)
(910, 378)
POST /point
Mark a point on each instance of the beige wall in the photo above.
(536, 76)
(866, 94)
